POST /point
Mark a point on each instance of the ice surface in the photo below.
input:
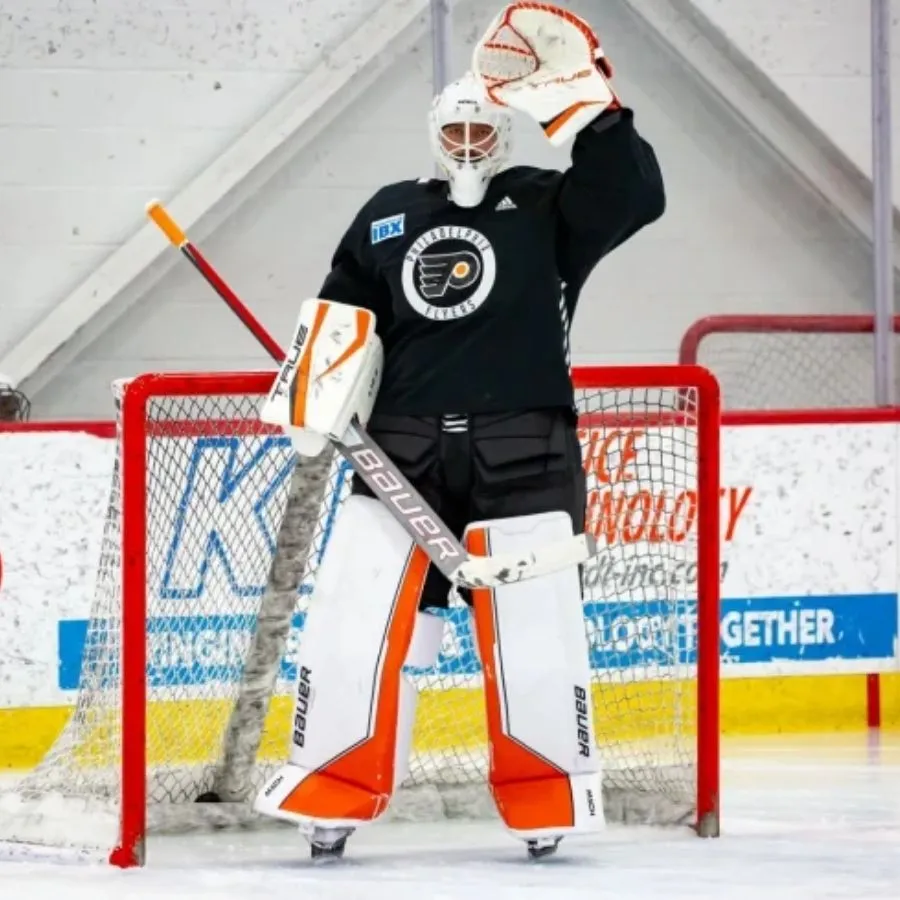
(808, 818)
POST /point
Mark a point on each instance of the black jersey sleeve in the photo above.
(354, 278)
(612, 189)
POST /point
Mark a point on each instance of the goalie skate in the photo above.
(542, 847)
(326, 844)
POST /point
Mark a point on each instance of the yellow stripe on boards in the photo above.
(189, 731)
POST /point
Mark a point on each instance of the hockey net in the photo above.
(212, 541)
(788, 362)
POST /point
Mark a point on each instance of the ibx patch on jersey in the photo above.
(385, 229)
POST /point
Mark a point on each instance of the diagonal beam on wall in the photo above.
(344, 73)
(764, 110)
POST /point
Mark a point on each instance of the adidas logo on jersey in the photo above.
(505, 203)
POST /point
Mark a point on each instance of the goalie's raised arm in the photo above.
(613, 188)
(548, 63)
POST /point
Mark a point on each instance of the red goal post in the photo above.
(210, 549)
(787, 361)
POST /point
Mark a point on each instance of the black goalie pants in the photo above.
(485, 466)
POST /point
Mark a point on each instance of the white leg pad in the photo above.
(545, 773)
(350, 693)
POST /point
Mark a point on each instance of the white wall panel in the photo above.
(105, 105)
(817, 52)
(741, 233)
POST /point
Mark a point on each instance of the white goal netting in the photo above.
(212, 540)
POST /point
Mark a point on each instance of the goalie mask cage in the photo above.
(212, 540)
(788, 362)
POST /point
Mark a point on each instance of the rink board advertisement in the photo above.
(767, 631)
(809, 571)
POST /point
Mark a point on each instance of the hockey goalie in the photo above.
(446, 327)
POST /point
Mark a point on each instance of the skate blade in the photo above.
(542, 849)
(323, 853)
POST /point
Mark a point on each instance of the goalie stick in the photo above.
(383, 477)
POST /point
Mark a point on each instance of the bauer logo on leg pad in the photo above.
(302, 708)
(385, 229)
(582, 711)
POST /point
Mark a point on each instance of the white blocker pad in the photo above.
(331, 374)
(354, 708)
(544, 768)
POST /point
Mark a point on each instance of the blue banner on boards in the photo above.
(194, 650)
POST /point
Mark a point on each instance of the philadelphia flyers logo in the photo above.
(449, 272)
(439, 272)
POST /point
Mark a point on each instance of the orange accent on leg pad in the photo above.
(358, 783)
(542, 804)
(529, 791)
(322, 796)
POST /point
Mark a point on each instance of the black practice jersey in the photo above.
(474, 305)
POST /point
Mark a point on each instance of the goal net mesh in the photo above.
(235, 531)
(789, 362)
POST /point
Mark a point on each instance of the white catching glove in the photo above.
(546, 62)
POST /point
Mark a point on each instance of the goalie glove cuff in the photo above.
(585, 113)
(577, 117)
(609, 117)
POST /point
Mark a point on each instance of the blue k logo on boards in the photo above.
(229, 480)
(385, 229)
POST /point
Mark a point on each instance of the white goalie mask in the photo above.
(471, 138)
